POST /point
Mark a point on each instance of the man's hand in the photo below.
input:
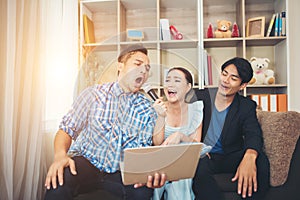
(56, 170)
(154, 182)
(246, 174)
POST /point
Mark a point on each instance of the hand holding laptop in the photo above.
(156, 181)
(154, 165)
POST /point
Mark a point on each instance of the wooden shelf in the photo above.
(102, 47)
(265, 41)
(222, 42)
(222, 49)
(113, 17)
(178, 44)
(267, 86)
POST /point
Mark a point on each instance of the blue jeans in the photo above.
(89, 178)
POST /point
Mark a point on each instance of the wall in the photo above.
(294, 44)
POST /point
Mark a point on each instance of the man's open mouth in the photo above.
(139, 80)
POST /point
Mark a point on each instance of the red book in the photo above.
(209, 69)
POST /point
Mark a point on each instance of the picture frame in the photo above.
(256, 27)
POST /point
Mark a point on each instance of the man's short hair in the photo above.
(243, 67)
(124, 55)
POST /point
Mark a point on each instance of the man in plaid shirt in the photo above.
(103, 121)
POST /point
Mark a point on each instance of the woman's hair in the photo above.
(187, 74)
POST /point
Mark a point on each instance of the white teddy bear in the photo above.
(261, 73)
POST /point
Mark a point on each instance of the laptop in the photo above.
(176, 161)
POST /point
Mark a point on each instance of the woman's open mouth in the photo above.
(172, 93)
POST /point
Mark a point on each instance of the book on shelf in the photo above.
(88, 28)
(283, 23)
(255, 97)
(273, 29)
(276, 31)
(264, 102)
(209, 69)
(271, 24)
(271, 102)
(205, 71)
(207, 62)
(280, 25)
(165, 33)
(281, 103)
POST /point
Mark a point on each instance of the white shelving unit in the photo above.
(112, 18)
(239, 11)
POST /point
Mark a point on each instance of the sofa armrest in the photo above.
(281, 131)
(290, 189)
(294, 173)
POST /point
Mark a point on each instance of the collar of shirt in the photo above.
(117, 91)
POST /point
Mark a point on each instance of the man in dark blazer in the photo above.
(231, 127)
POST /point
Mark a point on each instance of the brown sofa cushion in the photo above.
(281, 131)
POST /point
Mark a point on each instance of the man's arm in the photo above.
(62, 143)
(246, 174)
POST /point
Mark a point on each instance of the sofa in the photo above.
(281, 131)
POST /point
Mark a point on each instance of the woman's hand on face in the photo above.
(160, 107)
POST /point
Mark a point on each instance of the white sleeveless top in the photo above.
(195, 117)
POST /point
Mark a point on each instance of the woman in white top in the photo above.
(183, 123)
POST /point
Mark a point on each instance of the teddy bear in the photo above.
(223, 29)
(261, 73)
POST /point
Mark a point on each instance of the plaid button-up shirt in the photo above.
(104, 121)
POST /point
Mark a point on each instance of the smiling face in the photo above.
(230, 82)
(133, 72)
(176, 86)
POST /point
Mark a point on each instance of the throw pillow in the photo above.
(281, 131)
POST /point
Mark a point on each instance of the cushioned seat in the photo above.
(281, 131)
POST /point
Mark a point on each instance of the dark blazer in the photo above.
(241, 128)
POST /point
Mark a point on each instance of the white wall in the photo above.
(293, 16)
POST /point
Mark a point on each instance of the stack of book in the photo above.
(277, 25)
(271, 102)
